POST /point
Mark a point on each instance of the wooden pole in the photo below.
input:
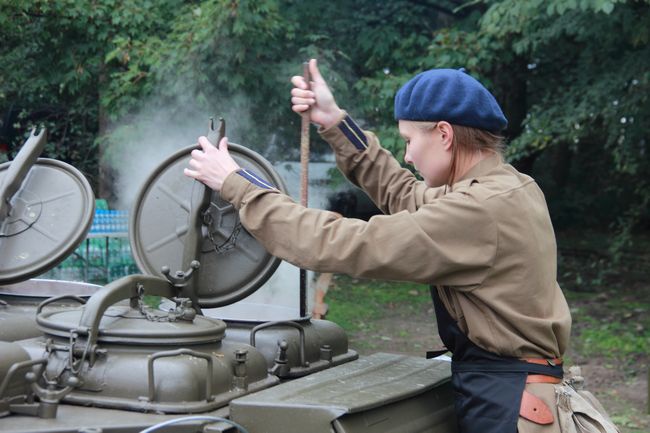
(304, 147)
(304, 185)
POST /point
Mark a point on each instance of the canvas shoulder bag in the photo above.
(578, 409)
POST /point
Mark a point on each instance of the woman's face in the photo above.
(428, 150)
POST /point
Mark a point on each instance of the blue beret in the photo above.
(451, 95)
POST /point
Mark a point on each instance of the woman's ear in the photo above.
(446, 133)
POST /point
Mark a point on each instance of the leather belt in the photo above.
(543, 361)
(540, 378)
(532, 407)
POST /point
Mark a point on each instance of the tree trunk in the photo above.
(106, 173)
(514, 88)
(512, 83)
(561, 168)
(525, 164)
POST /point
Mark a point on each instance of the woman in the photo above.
(476, 230)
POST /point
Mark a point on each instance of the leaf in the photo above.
(607, 7)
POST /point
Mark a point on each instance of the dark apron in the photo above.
(487, 387)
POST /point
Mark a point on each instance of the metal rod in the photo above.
(19, 168)
(304, 183)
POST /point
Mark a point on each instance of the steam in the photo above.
(141, 143)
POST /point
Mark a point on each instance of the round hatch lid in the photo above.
(51, 214)
(233, 263)
(126, 325)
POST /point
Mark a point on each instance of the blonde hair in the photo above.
(466, 141)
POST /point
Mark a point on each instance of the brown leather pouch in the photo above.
(534, 409)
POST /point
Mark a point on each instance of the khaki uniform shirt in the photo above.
(487, 243)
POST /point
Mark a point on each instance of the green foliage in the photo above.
(54, 71)
(632, 420)
(609, 305)
(616, 339)
(572, 76)
(587, 91)
(358, 301)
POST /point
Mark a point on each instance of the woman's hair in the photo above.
(467, 140)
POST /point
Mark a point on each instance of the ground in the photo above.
(610, 336)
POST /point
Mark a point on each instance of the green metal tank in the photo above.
(18, 303)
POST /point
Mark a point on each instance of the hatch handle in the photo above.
(194, 236)
(178, 352)
(118, 290)
(49, 398)
(17, 367)
(56, 299)
(19, 168)
(292, 324)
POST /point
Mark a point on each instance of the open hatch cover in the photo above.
(233, 263)
(47, 212)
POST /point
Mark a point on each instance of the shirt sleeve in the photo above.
(451, 241)
(366, 164)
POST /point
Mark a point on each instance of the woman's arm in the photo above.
(358, 153)
(450, 242)
(366, 164)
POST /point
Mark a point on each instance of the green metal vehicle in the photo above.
(80, 358)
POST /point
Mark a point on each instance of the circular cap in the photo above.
(233, 263)
(123, 324)
(51, 214)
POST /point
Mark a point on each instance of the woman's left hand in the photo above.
(211, 165)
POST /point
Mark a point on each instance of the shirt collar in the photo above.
(481, 168)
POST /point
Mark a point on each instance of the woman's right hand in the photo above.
(317, 98)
